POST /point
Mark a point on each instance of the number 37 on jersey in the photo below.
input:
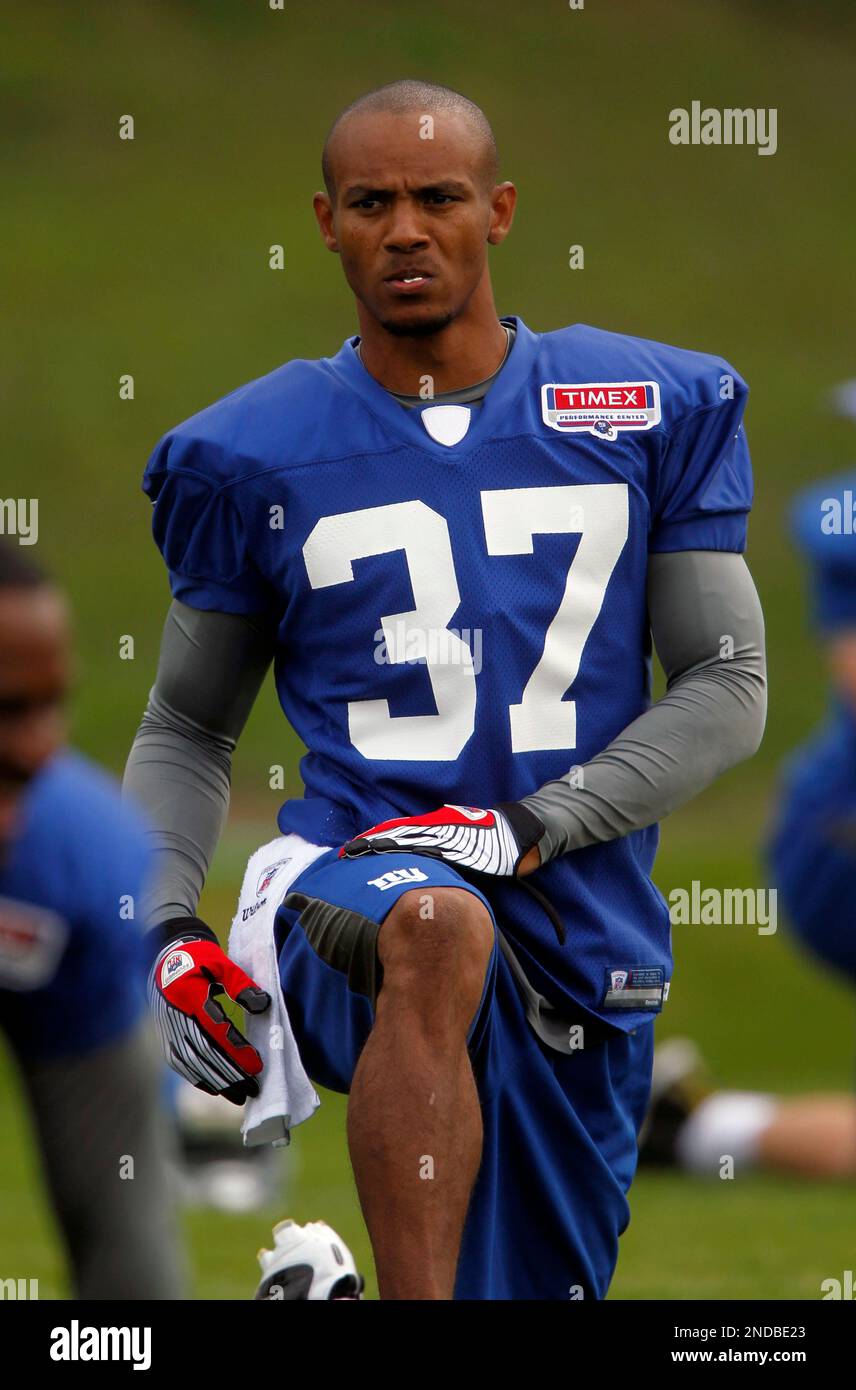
(541, 719)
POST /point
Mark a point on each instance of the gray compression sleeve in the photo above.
(211, 669)
(708, 630)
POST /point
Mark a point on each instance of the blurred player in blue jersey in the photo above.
(812, 853)
(72, 1005)
(813, 849)
(813, 844)
(455, 539)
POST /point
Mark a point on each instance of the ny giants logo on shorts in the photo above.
(601, 408)
(394, 876)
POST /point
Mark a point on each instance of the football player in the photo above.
(699, 1127)
(813, 845)
(72, 999)
(812, 853)
(454, 538)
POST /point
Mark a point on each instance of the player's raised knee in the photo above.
(437, 945)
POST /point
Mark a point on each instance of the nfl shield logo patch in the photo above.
(601, 408)
(267, 876)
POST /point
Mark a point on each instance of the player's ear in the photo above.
(503, 201)
(324, 216)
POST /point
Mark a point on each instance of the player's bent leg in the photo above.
(434, 949)
(387, 971)
(414, 1120)
(385, 1006)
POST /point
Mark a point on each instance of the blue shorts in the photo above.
(560, 1130)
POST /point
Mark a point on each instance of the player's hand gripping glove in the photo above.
(198, 1039)
(490, 842)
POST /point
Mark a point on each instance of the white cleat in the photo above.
(307, 1262)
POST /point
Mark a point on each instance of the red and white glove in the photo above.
(490, 842)
(198, 1039)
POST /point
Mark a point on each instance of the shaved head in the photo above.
(411, 97)
(411, 207)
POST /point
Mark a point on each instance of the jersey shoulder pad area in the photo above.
(290, 416)
(688, 381)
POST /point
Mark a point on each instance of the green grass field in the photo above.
(150, 257)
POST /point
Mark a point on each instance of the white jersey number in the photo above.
(423, 535)
(512, 516)
(543, 720)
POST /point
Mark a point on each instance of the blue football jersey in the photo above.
(463, 622)
(812, 844)
(824, 523)
(812, 847)
(72, 965)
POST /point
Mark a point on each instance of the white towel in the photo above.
(287, 1096)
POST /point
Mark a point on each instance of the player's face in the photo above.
(34, 679)
(412, 218)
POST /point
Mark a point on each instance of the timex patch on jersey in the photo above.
(601, 408)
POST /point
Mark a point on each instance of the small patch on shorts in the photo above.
(635, 987)
(394, 877)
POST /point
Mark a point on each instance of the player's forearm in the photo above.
(709, 632)
(182, 779)
(179, 769)
(697, 731)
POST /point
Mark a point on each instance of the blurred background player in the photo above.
(695, 1125)
(812, 855)
(72, 866)
(813, 848)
